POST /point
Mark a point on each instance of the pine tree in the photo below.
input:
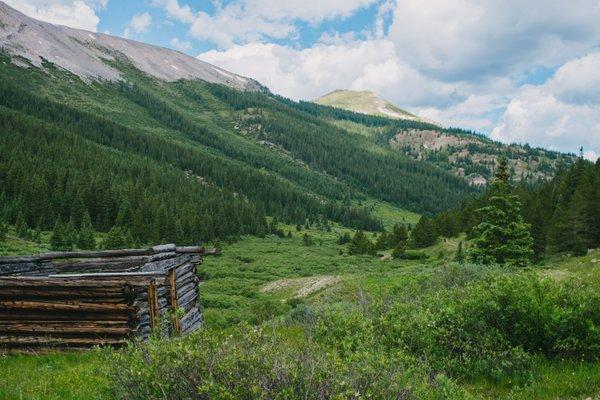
(360, 244)
(399, 233)
(502, 237)
(117, 238)
(424, 233)
(70, 234)
(57, 239)
(383, 241)
(21, 226)
(575, 234)
(399, 251)
(343, 239)
(86, 239)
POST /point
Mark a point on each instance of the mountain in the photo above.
(467, 155)
(367, 102)
(163, 147)
(93, 56)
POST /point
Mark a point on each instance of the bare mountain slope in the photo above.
(82, 53)
(367, 102)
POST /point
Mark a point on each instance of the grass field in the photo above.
(254, 281)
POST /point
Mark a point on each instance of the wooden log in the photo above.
(122, 264)
(163, 248)
(165, 264)
(188, 305)
(19, 259)
(91, 300)
(185, 269)
(61, 292)
(197, 250)
(128, 275)
(71, 328)
(65, 306)
(191, 321)
(186, 280)
(186, 288)
(54, 341)
(95, 254)
(173, 299)
(108, 253)
(59, 282)
(44, 315)
(153, 304)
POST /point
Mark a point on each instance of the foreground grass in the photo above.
(550, 380)
(57, 376)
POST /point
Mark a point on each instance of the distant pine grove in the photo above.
(156, 161)
(563, 213)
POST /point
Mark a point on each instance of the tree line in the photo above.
(563, 213)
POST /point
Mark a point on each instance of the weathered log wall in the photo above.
(82, 299)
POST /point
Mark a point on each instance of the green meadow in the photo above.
(275, 283)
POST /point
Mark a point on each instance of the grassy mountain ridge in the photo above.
(366, 102)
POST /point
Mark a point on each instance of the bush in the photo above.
(473, 325)
(255, 363)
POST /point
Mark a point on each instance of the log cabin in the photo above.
(76, 300)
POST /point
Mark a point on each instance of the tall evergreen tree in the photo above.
(57, 239)
(360, 244)
(21, 226)
(424, 233)
(502, 237)
(86, 239)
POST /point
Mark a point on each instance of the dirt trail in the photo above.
(302, 287)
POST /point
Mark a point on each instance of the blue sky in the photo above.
(517, 71)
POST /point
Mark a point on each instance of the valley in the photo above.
(365, 252)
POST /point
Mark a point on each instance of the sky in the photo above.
(518, 71)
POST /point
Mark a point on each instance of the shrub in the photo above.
(264, 363)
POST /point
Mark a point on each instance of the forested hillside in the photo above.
(189, 161)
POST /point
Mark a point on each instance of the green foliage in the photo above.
(459, 257)
(86, 238)
(563, 212)
(3, 230)
(255, 363)
(399, 251)
(397, 237)
(485, 324)
(360, 244)
(502, 237)
(307, 240)
(59, 240)
(21, 227)
(343, 239)
(424, 234)
(117, 238)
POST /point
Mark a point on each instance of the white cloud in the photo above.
(309, 73)
(246, 21)
(73, 13)
(563, 113)
(139, 23)
(181, 45)
(475, 39)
